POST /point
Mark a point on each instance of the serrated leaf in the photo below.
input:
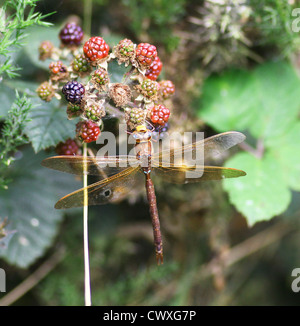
(264, 101)
(39, 34)
(263, 193)
(226, 104)
(286, 150)
(29, 206)
(49, 125)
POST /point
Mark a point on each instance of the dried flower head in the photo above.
(120, 94)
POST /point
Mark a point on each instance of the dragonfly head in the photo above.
(142, 134)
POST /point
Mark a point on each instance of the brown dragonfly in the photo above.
(120, 174)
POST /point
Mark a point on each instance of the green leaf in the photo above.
(286, 150)
(227, 101)
(49, 125)
(263, 193)
(7, 97)
(29, 206)
(8, 94)
(264, 101)
(39, 34)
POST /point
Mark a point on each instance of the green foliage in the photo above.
(30, 211)
(49, 126)
(274, 21)
(156, 18)
(265, 102)
(14, 20)
(13, 134)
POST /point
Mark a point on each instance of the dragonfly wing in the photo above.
(112, 189)
(201, 151)
(183, 175)
(104, 166)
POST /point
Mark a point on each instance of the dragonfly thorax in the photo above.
(142, 134)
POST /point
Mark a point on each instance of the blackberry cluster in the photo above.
(69, 147)
(87, 131)
(159, 115)
(138, 95)
(155, 69)
(73, 91)
(71, 34)
(45, 91)
(146, 53)
(80, 64)
(95, 48)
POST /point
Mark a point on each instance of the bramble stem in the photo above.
(87, 284)
(87, 14)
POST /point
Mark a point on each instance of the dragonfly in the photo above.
(121, 174)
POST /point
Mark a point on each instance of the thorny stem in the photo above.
(87, 285)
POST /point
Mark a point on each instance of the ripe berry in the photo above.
(45, 91)
(145, 53)
(149, 88)
(69, 147)
(167, 88)
(159, 114)
(71, 34)
(73, 91)
(45, 50)
(80, 64)
(95, 48)
(100, 77)
(87, 131)
(154, 69)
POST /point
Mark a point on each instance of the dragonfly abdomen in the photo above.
(155, 219)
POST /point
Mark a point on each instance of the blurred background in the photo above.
(235, 66)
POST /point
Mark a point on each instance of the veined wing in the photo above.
(184, 174)
(109, 190)
(104, 166)
(209, 147)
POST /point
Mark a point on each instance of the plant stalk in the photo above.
(87, 279)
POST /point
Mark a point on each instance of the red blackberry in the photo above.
(95, 48)
(159, 114)
(87, 131)
(145, 53)
(167, 88)
(154, 69)
(71, 34)
(69, 147)
(73, 91)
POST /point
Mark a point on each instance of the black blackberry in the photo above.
(73, 91)
(71, 34)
